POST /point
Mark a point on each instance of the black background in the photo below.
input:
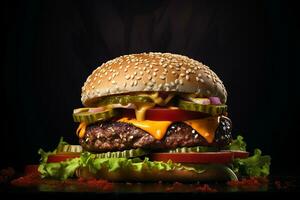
(50, 47)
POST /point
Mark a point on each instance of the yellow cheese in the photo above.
(205, 127)
(155, 128)
(81, 129)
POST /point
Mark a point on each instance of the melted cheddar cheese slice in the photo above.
(205, 127)
(157, 129)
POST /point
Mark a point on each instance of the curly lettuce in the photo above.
(256, 165)
(253, 166)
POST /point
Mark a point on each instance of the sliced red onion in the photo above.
(215, 100)
(129, 105)
(202, 101)
(98, 109)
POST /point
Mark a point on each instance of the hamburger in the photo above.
(153, 117)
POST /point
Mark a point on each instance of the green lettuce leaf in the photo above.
(253, 166)
(134, 164)
(60, 170)
(238, 144)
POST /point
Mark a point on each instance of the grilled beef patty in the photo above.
(116, 136)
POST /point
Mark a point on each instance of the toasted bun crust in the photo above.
(210, 174)
(146, 72)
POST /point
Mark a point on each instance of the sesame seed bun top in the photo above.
(148, 72)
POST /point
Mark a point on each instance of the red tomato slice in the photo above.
(62, 157)
(166, 114)
(195, 158)
(238, 153)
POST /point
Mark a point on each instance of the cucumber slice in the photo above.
(193, 149)
(89, 117)
(123, 100)
(209, 109)
(122, 154)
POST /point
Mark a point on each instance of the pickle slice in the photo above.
(193, 149)
(124, 100)
(122, 154)
(67, 148)
(90, 117)
(209, 109)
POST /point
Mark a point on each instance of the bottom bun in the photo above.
(215, 173)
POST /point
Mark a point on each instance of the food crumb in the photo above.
(252, 181)
(6, 174)
(175, 186)
(205, 188)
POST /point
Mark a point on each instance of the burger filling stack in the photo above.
(154, 117)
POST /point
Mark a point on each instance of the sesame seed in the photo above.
(113, 82)
(180, 81)
(149, 77)
(173, 72)
(187, 77)
(176, 81)
(201, 80)
(125, 70)
(127, 77)
(141, 73)
(138, 77)
(154, 74)
(135, 82)
(125, 84)
(162, 77)
(197, 78)
(109, 78)
(182, 75)
(156, 69)
(148, 71)
(105, 73)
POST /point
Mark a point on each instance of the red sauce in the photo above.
(252, 181)
(6, 174)
(34, 179)
(175, 186)
(205, 188)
